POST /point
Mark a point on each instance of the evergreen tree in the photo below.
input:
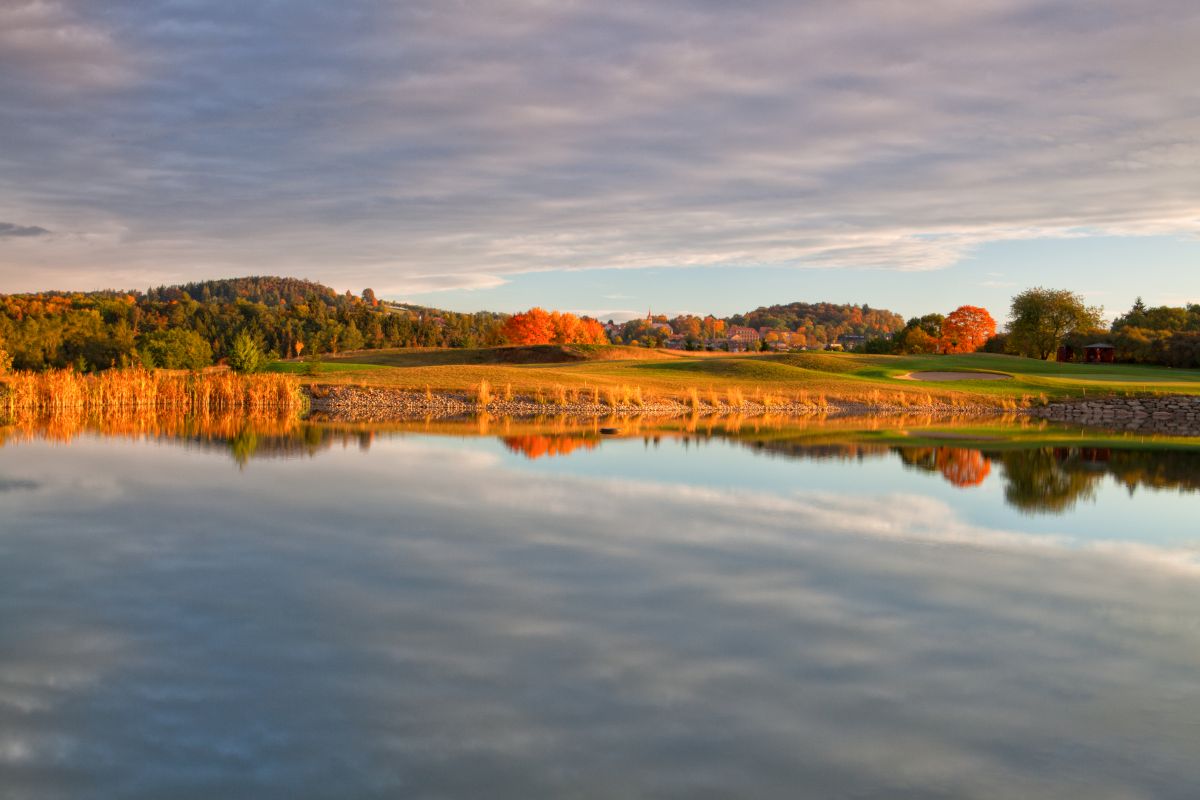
(245, 355)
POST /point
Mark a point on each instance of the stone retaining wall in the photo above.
(1174, 416)
(384, 403)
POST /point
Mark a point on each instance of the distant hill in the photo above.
(836, 319)
(792, 325)
(193, 324)
(267, 289)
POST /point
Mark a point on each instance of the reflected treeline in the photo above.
(1055, 479)
(1037, 479)
(245, 434)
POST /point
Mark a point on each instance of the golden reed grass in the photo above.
(63, 391)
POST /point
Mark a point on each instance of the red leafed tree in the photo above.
(537, 326)
(591, 332)
(529, 327)
(966, 329)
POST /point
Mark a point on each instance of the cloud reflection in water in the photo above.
(427, 619)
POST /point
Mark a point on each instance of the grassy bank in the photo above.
(790, 377)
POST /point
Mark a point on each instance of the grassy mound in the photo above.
(664, 373)
(518, 354)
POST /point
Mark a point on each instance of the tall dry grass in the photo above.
(62, 391)
(483, 393)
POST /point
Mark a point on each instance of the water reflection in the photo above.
(428, 618)
(1037, 479)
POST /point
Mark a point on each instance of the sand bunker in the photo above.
(956, 376)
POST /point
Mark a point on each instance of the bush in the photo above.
(879, 346)
(996, 344)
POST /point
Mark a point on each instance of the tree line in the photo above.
(246, 321)
(1044, 320)
(195, 325)
(792, 325)
(1041, 321)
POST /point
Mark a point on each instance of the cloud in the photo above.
(8, 229)
(605, 314)
(425, 149)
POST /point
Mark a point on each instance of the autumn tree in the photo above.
(916, 340)
(537, 326)
(566, 327)
(5, 359)
(966, 329)
(1041, 318)
(529, 327)
(920, 335)
(591, 332)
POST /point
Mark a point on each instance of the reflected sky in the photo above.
(438, 617)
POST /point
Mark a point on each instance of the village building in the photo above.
(849, 341)
(742, 338)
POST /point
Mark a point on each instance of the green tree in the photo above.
(176, 348)
(245, 355)
(1041, 318)
(352, 338)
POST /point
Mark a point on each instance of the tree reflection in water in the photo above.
(1049, 480)
(959, 465)
(1037, 480)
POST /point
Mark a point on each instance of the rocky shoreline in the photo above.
(360, 403)
(1176, 415)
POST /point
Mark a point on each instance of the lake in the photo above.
(505, 611)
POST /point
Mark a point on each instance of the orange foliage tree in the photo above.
(966, 329)
(538, 326)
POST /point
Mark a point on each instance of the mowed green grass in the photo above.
(675, 374)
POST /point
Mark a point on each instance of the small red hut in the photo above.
(1099, 353)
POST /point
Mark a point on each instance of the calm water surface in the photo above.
(531, 616)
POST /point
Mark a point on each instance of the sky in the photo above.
(608, 156)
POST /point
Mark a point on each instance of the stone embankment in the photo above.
(377, 404)
(1176, 415)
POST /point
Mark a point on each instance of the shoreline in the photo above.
(1174, 415)
(349, 403)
